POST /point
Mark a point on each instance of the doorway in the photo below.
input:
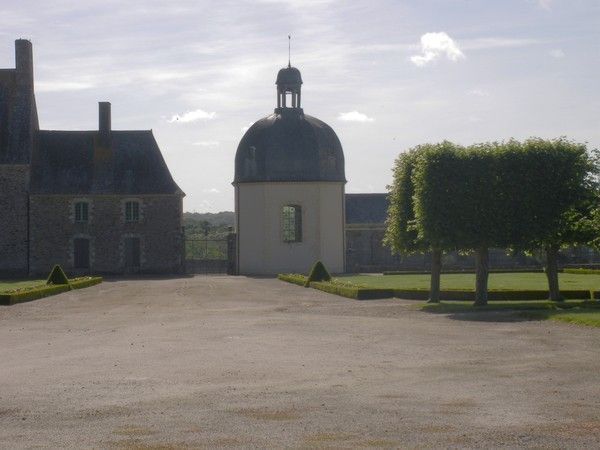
(132, 254)
(81, 254)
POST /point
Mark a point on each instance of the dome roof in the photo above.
(289, 146)
(289, 76)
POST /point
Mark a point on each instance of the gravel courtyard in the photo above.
(215, 361)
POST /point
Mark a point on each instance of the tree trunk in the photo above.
(482, 258)
(552, 273)
(436, 270)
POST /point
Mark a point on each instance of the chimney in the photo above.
(24, 61)
(104, 122)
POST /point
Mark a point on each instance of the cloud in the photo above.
(211, 191)
(557, 53)
(479, 93)
(355, 116)
(498, 42)
(61, 86)
(435, 45)
(193, 116)
(545, 4)
(207, 143)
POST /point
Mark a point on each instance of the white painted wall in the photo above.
(261, 249)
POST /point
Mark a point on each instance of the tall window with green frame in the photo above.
(81, 212)
(292, 223)
(132, 211)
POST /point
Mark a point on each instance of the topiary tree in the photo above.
(456, 204)
(318, 273)
(560, 200)
(540, 193)
(401, 234)
(57, 276)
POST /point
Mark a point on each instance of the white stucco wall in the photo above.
(261, 249)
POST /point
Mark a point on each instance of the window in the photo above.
(132, 212)
(81, 212)
(292, 223)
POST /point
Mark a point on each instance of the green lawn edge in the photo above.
(36, 292)
(579, 311)
(359, 292)
(573, 311)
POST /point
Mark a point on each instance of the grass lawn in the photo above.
(17, 284)
(497, 281)
(572, 311)
(581, 316)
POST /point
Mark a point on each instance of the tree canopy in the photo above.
(522, 195)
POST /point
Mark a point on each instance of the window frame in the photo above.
(291, 223)
(81, 211)
(132, 211)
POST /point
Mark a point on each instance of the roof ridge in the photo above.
(94, 131)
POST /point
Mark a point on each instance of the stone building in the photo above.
(100, 201)
(289, 189)
(365, 228)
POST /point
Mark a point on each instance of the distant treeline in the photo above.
(206, 233)
(220, 219)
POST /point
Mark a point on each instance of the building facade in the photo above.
(289, 189)
(365, 229)
(100, 201)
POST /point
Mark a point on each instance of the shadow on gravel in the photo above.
(501, 316)
(113, 278)
(507, 312)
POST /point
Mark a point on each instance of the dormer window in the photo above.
(292, 223)
(81, 212)
(132, 211)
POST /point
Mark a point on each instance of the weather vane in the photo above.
(289, 50)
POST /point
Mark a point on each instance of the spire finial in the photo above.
(289, 50)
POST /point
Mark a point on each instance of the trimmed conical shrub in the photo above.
(57, 276)
(318, 273)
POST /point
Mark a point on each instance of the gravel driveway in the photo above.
(216, 361)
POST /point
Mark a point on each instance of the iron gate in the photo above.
(210, 255)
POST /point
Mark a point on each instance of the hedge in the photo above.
(359, 292)
(355, 292)
(318, 273)
(583, 271)
(294, 278)
(33, 293)
(363, 293)
(57, 276)
(80, 283)
(46, 290)
(466, 271)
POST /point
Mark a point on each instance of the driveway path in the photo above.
(216, 361)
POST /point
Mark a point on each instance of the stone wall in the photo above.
(14, 185)
(53, 230)
(365, 252)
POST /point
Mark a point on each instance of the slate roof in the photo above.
(289, 76)
(75, 162)
(366, 208)
(289, 146)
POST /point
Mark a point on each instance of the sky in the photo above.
(385, 74)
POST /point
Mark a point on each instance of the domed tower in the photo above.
(289, 189)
